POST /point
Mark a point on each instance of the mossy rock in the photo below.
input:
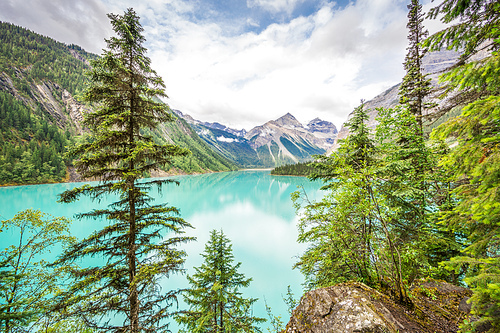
(355, 307)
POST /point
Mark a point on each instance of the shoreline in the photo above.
(73, 177)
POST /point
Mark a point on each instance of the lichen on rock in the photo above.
(355, 307)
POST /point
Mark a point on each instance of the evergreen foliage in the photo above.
(297, 169)
(140, 243)
(415, 188)
(341, 227)
(415, 86)
(353, 233)
(215, 301)
(31, 151)
(475, 161)
(473, 31)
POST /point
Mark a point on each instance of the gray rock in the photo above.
(343, 308)
(354, 307)
(464, 306)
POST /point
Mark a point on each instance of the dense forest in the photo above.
(297, 169)
(31, 151)
(32, 145)
(28, 57)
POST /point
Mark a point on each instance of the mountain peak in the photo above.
(288, 120)
(322, 126)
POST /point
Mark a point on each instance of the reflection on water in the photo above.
(252, 207)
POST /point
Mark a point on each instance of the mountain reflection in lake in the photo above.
(252, 207)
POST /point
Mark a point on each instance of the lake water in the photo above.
(253, 209)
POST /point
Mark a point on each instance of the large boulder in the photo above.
(355, 307)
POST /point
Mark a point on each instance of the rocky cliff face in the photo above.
(51, 98)
(354, 307)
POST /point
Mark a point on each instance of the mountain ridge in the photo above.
(276, 142)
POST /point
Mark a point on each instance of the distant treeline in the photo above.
(298, 169)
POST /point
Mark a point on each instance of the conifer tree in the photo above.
(413, 182)
(139, 245)
(341, 227)
(215, 301)
(415, 86)
(475, 159)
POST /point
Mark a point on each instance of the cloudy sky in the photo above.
(244, 62)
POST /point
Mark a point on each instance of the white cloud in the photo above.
(315, 66)
(311, 66)
(81, 22)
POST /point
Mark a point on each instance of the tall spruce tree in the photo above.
(215, 301)
(139, 246)
(415, 86)
(474, 29)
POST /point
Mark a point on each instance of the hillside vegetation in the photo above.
(33, 144)
(41, 81)
(298, 169)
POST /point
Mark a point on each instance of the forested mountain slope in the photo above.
(40, 111)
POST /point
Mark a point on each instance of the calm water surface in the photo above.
(253, 209)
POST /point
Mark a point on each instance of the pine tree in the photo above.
(215, 301)
(140, 243)
(413, 182)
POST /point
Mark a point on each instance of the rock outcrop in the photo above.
(57, 102)
(355, 307)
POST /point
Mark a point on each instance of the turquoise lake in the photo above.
(253, 209)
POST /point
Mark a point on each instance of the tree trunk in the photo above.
(221, 330)
(134, 298)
